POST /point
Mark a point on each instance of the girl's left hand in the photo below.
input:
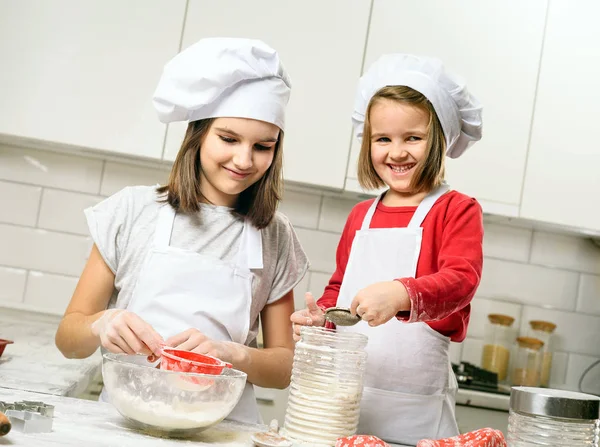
(195, 341)
(380, 302)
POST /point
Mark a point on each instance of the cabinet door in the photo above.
(321, 44)
(495, 47)
(83, 73)
(562, 179)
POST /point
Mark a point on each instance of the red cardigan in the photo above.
(449, 266)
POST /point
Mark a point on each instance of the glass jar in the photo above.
(542, 330)
(326, 386)
(527, 361)
(547, 417)
(498, 338)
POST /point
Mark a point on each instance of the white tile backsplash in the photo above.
(302, 209)
(48, 251)
(50, 169)
(49, 293)
(119, 175)
(529, 284)
(320, 248)
(12, 285)
(588, 300)
(527, 274)
(63, 211)
(318, 282)
(504, 242)
(577, 366)
(575, 333)
(565, 251)
(19, 204)
(334, 213)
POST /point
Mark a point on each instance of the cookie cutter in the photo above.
(29, 416)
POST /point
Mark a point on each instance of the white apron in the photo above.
(410, 388)
(179, 289)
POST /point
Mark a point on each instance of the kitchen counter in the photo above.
(34, 363)
(482, 399)
(79, 422)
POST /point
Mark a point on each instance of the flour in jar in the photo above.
(175, 416)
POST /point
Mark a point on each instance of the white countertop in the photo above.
(34, 363)
(482, 399)
(79, 422)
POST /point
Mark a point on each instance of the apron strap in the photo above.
(427, 204)
(367, 220)
(250, 255)
(164, 227)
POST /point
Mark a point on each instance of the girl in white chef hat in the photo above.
(408, 262)
(195, 263)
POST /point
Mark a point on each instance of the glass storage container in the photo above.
(557, 418)
(542, 330)
(527, 362)
(498, 338)
(326, 386)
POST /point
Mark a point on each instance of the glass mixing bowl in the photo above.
(169, 402)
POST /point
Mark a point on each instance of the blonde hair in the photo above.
(257, 203)
(429, 172)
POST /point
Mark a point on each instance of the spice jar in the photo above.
(326, 386)
(498, 338)
(527, 361)
(547, 417)
(542, 330)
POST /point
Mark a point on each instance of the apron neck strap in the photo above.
(164, 227)
(420, 212)
(250, 255)
(427, 204)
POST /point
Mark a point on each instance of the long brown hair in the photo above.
(429, 173)
(257, 203)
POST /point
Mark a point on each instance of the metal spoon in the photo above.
(271, 438)
(341, 316)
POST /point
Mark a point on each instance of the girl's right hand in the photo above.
(313, 315)
(121, 331)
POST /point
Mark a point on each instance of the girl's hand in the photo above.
(121, 331)
(195, 341)
(313, 315)
(380, 302)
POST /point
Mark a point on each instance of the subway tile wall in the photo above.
(528, 274)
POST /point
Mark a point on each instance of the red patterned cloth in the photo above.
(485, 437)
(360, 440)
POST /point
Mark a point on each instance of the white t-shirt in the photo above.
(123, 226)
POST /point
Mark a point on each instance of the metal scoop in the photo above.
(341, 316)
(271, 438)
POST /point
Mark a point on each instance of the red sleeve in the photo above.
(330, 295)
(460, 261)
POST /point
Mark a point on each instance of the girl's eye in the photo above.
(414, 138)
(383, 140)
(260, 147)
(227, 139)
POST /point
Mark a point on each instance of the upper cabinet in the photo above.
(563, 179)
(321, 44)
(495, 47)
(83, 73)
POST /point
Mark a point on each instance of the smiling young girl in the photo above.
(195, 263)
(408, 262)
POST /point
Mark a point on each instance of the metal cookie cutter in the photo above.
(28, 416)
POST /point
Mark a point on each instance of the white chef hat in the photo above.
(224, 77)
(458, 111)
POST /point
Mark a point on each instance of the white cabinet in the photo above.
(83, 73)
(563, 171)
(321, 44)
(495, 47)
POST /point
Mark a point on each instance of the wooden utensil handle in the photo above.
(4, 424)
